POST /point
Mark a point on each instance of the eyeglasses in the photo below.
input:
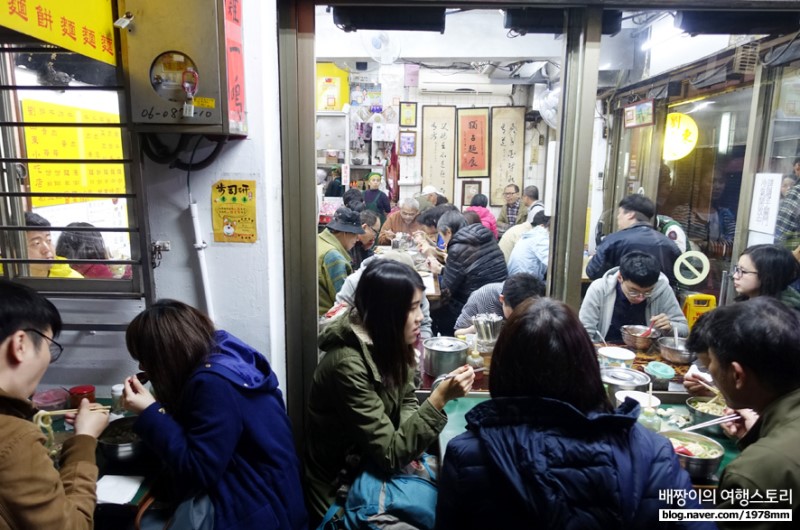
(55, 348)
(509, 193)
(638, 294)
(374, 232)
(738, 271)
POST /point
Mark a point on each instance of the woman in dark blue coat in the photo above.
(219, 424)
(548, 450)
(473, 260)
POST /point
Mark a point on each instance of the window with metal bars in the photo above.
(70, 210)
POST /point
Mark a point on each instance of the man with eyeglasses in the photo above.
(364, 247)
(636, 292)
(513, 212)
(33, 494)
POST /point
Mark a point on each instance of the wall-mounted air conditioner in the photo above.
(459, 82)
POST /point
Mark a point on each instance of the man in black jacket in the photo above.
(636, 232)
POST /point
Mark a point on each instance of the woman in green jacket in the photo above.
(362, 401)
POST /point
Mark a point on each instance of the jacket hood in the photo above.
(532, 440)
(239, 363)
(344, 331)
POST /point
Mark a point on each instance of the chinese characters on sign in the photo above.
(233, 211)
(85, 27)
(508, 132)
(235, 60)
(95, 143)
(764, 206)
(438, 147)
(473, 142)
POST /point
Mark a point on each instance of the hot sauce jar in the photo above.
(77, 393)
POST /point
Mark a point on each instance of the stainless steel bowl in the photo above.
(119, 443)
(675, 352)
(698, 468)
(700, 417)
(443, 355)
(631, 336)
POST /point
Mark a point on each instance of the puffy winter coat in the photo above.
(473, 260)
(541, 463)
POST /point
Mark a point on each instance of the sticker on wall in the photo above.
(233, 211)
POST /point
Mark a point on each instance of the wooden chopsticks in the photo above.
(68, 411)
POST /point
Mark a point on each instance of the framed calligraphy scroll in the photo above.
(508, 142)
(438, 147)
(473, 142)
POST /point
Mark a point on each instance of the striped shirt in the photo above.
(484, 300)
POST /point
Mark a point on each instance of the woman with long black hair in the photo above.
(362, 404)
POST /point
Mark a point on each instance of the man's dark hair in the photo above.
(430, 217)
(353, 198)
(23, 308)
(796, 161)
(368, 217)
(453, 221)
(521, 286)
(34, 219)
(639, 268)
(540, 219)
(761, 334)
(639, 205)
(512, 185)
(479, 199)
(441, 199)
(531, 192)
(472, 218)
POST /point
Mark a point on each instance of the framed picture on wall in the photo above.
(469, 189)
(473, 142)
(408, 143)
(639, 114)
(408, 114)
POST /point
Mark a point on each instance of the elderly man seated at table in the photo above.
(333, 254)
(499, 298)
(404, 220)
(752, 350)
(636, 292)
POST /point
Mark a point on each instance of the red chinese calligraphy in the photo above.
(44, 18)
(106, 44)
(88, 37)
(68, 28)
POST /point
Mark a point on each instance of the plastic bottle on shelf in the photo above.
(475, 360)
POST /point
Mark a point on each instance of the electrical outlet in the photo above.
(164, 246)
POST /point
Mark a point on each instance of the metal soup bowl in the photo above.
(675, 352)
(119, 443)
(700, 417)
(632, 337)
(698, 468)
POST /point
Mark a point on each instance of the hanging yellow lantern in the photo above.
(680, 136)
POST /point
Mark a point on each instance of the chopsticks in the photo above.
(714, 389)
(68, 411)
(442, 378)
(715, 421)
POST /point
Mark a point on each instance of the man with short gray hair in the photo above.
(404, 220)
(530, 196)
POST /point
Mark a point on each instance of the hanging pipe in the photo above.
(200, 247)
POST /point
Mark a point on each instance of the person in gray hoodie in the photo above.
(636, 292)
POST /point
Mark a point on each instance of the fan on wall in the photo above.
(549, 103)
(380, 46)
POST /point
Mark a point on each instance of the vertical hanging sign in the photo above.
(438, 147)
(234, 52)
(233, 211)
(508, 133)
(473, 142)
(84, 27)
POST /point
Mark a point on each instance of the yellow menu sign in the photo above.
(92, 143)
(233, 211)
(85, 27)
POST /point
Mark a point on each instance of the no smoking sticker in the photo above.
(686, 272)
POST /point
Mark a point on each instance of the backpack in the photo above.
(404, 501)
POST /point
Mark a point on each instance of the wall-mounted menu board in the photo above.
(438, 147)
(508, 141)
(473, 142)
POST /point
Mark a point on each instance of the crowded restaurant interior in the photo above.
(258, 262)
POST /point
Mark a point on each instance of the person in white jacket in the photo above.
(636, 292)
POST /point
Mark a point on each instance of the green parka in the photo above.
(351, 411)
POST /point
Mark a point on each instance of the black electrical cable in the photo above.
(157, 151)
(177, 163)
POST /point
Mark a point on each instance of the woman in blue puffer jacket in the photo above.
(548, 450)
(473, 260)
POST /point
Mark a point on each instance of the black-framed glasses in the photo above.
(55, 348)
(738, 271)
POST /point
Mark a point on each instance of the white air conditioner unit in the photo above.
(459, 82)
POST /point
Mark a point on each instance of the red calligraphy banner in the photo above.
(473, 142)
